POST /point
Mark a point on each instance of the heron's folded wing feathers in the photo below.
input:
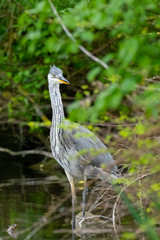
(89, 146)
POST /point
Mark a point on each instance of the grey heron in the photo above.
(79, 152)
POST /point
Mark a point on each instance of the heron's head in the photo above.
(55, 75)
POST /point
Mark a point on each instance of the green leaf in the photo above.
(69, 21)
(50, 44)
(32, 35)
(87, 36)
(39, 8)
(128, 84)
(93, 73)
(128, 51)
(140, 128)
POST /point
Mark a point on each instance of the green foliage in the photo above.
(123, 34)
(128, 29)
(146, 224)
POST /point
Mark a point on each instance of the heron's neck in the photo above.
(57, 106)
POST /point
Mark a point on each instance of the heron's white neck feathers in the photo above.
(56, 103)
(57, 113)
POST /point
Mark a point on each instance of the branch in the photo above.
(154, 79)
(83, 49)
(26, 152)
(110, 125)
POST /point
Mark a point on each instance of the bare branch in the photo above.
(84, 50)
(154, 79)
(110, 125)
(26, 152)
(147, 88)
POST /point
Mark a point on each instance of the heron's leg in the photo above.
(70, 179)
(84, 194)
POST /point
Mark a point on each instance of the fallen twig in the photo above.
(94, 216)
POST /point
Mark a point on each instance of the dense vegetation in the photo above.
(121, 102)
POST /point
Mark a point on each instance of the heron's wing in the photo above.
(89, 146)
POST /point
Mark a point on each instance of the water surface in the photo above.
(36, 202)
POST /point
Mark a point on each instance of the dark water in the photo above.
(38, 203)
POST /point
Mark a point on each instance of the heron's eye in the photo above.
(53, 75)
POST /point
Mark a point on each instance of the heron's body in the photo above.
(80, 153)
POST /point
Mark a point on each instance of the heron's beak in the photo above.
(63, 80)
